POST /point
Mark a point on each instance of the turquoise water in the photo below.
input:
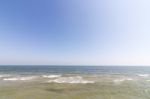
(74, 82)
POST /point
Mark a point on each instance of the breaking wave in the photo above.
(143, 75)
(4, 75)
(51, 76)
(71, 80)
(18, 78)
(122, 80)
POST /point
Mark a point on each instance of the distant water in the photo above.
(74, 82)
(75, 69)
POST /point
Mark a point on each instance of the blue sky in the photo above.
(75, 32)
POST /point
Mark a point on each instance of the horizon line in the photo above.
(66, 65)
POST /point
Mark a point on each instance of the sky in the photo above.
(75, 32)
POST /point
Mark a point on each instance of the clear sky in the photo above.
(75, 32)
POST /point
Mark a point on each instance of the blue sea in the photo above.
(31, 69)
(74, 82)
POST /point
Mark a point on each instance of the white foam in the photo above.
(18, 78)
(71, 80)
(122, 79)
(143, 75)
(51, 76)
(4, 75)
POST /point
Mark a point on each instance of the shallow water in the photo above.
(52, 83)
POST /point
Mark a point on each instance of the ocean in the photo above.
(74, 82)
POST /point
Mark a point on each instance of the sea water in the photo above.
(74, 82)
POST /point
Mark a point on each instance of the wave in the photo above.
(51, 76)
(143, 75)
(19, 78)
(4, 75)
(71, 80)
(122, 80)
